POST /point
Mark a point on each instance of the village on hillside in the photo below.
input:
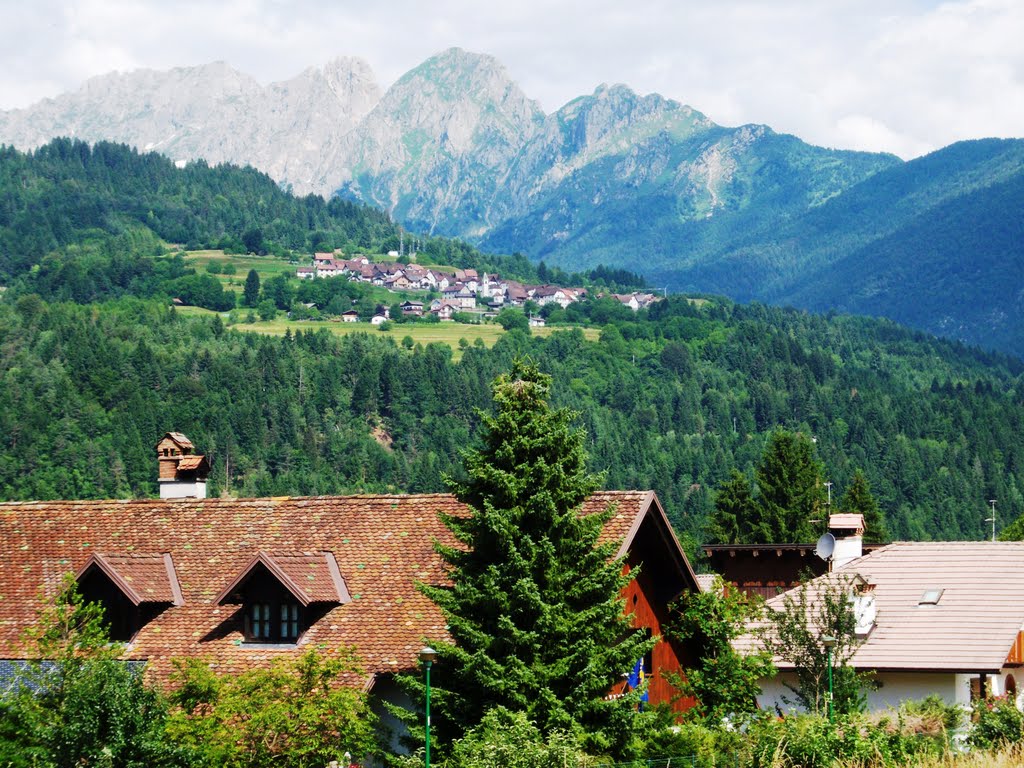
(461, 290)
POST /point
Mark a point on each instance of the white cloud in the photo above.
(905, 76)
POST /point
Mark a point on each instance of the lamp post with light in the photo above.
(829, 642)
(427, 656)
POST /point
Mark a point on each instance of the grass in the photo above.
(1012, 757)
(421, 333)
(265, 266)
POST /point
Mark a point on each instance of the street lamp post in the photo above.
(427, 656)
(829, 642)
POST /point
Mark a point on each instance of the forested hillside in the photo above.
(672, 398)
(935, 243)
(86, 223)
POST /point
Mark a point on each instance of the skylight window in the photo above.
(931, 596)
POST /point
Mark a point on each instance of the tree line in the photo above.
(674, 398)
(86, 223)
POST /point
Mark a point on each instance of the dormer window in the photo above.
(133, 590)
(273, 622)
(282, 594)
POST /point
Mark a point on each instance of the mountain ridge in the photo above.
(454, 147)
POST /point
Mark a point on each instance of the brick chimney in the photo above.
(182, 472)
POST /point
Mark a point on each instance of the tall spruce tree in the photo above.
(859, 499)
(534, 611)
(735, 511)
(251, 291)
(790, 490)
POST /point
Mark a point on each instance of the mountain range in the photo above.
(454, 147)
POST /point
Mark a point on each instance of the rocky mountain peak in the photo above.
(350, 76)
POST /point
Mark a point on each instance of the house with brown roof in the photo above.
(943, 618)
(767, 570)
(241, 582)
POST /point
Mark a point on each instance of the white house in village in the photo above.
(943, 618)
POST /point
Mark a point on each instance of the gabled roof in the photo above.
(142, 578)
(632, 510)
(972, 627)
(383, 546)
(309, 577)
(183, 442)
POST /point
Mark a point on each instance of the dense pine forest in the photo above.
(95, 366)
(672, 399)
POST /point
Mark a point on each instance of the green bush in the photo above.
(997, 723)
(693, 744)
(505, 739)
(292, 714)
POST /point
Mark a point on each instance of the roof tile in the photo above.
(383, 546)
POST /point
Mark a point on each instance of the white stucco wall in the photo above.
(897, 687)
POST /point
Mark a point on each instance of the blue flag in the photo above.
(636, 679)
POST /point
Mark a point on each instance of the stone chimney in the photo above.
(848, 530)
(182, 473)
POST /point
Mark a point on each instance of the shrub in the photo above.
(997, 723)
(505, 739)
(811, 741)
(694, 744)
(293, 714)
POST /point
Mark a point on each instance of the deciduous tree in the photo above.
(795, 630)
(723, 681)
(76, 703)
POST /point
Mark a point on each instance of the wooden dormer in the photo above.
(282, 594)
(182, 472)
(132, 588)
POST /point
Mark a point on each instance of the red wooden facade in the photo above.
(662, 575)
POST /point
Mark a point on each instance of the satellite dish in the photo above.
(826, 546)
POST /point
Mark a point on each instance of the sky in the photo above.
(901, 76)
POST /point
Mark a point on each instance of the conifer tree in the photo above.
(251, 291)
(735, 511)
(790, 490)
(858, 499)
(534, 611)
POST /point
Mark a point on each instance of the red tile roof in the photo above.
(383, 547)
(142, 578)
(311, 578)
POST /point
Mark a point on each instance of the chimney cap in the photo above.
(177, 437)
(846, 521)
